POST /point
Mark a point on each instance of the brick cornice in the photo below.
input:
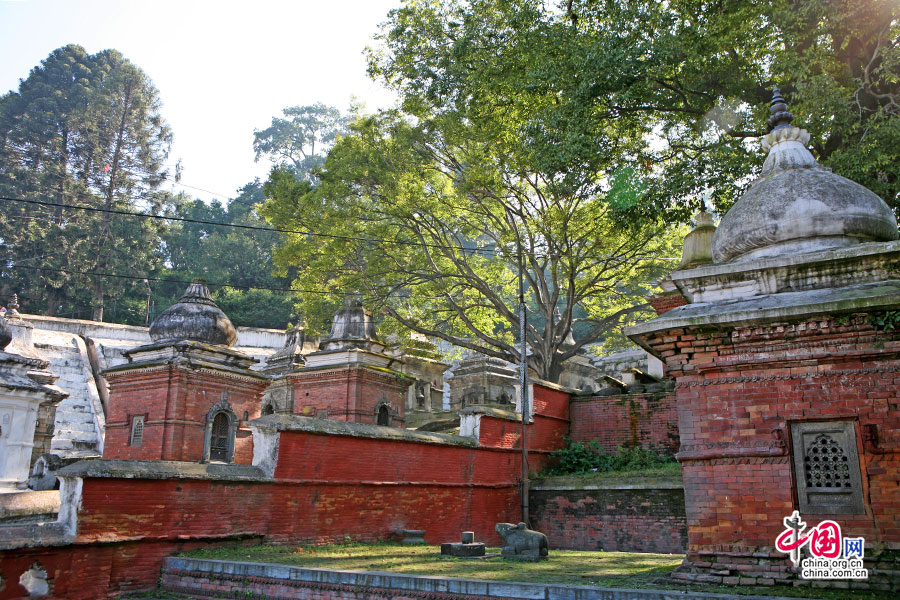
(783, 377)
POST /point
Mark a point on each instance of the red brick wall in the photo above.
(628, 420)
(92, 571)
(614, 520)
(545, 434)
(349, 393)
(663, 303)
(734, 387)
(326, 487)
(175, 403)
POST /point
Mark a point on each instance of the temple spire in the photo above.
(780, 117)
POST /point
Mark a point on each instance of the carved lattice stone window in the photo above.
(137, 430)
(826, 467)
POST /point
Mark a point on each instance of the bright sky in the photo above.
(222, 67)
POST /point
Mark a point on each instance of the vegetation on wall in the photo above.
(578, 458)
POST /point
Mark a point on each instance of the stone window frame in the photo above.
(831, 500)
(387, 405)
(221, 407)
(134, 420)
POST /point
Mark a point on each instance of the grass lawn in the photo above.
(667, 472)
(569, 567)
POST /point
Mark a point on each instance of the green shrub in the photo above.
(577, 458)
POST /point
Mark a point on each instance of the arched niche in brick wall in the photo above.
(220, 432)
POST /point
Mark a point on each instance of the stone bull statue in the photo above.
(520, 542)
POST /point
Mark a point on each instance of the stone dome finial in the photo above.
(194, 317)
(697, 247)
(13, 307)
(797, 205)
(352, 327)
(779, 111)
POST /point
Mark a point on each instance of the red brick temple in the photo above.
(786, 356)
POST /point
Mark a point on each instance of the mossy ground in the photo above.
(602, 569)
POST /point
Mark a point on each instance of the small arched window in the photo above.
(221, 429)
(384, 415)
(219, 438)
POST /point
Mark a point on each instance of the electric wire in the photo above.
(182, 281)
(136, 214)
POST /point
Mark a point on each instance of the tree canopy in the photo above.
(87, 130)
(671, 88)
(240, 257)
(301, 139)
(579, 130)
(82, 129)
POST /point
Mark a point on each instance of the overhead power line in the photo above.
(129, 213)
(136, 214)
(179, 281)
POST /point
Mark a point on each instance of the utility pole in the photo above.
(147, 314)
(523, 382)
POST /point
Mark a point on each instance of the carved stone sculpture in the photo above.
(521, 542)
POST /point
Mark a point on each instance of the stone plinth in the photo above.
(462, 550)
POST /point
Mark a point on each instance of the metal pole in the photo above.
(523, 381)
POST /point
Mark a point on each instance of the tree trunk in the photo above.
(110, 195)
(97, 312)
(52, 302)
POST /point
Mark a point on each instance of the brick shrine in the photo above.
(188, 396)
(350, 377)
(787, 369)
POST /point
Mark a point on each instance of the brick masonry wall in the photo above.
(614, 520)
(93, 571)
(546, 432)
(738, 391)
(175, 402)
(349, 393)
(325, 487)
(628, 420)
(663, 303)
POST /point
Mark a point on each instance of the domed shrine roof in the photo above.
(796, 205)
(194, 317)
(352, 327)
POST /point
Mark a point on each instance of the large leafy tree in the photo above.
(81, 129)
(432, 224)
(301, 138)
(674, 89)
(574, 129)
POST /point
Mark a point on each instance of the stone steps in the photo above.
(76, 429)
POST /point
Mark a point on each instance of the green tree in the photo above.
(673, 89)
(427, 223)
(300, 139)
(241, 258)
(81, 129)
